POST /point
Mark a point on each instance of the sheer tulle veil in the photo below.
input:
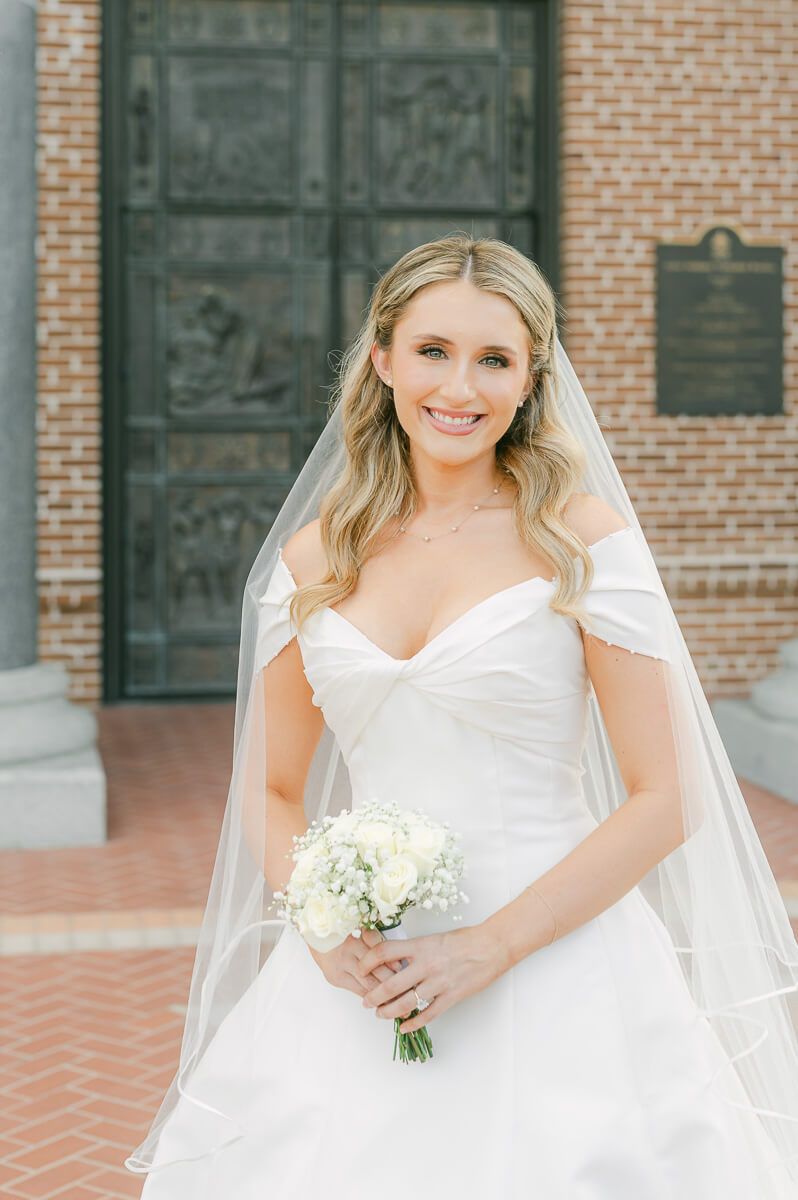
(716, 893)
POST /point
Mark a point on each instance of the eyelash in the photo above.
(499, 357)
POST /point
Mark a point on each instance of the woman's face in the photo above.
(458, 352)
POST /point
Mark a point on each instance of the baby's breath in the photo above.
(347, 860)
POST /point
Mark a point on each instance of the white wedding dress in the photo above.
(582, 1073)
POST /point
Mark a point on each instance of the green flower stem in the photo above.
(415, 1046)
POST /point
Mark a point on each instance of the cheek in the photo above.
(503, 397)
(418, 381)
(417, 387)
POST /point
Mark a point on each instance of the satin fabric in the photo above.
(582, 1073)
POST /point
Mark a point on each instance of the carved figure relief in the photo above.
(218, 360)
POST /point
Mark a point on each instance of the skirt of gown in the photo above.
(582, 1073)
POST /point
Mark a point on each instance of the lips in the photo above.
(446, 427)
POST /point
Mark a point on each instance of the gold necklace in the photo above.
(453, 529)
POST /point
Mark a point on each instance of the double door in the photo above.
(266, 160)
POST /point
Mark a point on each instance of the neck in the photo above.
(443, 488)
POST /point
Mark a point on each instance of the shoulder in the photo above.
(591, 518)
(304, 555)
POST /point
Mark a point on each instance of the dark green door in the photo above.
(264, 161)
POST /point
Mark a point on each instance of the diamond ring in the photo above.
(421, 1004)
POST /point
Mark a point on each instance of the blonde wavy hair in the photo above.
(538, 451)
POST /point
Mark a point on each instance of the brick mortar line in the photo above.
(65, 933)
(126, 918)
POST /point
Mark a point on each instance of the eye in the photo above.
(499, 358)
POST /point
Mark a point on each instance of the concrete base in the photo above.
(52, 781)
(761, 734)
(53, 803)
(760, 748)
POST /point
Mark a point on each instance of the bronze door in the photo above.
(264, 161)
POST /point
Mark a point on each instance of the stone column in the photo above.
(52, 785)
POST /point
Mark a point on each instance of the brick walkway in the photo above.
(96, 952)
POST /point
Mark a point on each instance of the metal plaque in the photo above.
(719, 327)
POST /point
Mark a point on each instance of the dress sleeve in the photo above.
(274, 625)
(626, 601)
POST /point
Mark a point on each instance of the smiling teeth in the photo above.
(454, 420)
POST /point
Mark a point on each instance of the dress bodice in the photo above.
(485, 725)
(509, 666)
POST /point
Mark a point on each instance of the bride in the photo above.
(456, 609)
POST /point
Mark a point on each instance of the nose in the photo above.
(457, 386)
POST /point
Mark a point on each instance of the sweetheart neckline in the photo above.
(468, 612)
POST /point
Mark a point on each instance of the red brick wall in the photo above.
(68, 265)
(676, 117)
(673, 117)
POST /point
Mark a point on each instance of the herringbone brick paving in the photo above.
(89, 1047)
(90, 1040)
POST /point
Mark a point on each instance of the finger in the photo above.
(354, 984)
(428, 1014)
(375, 978)
(401, 1007)
(383, 974)
(391, 989)
(370, 937)
(391, 950)
(363, 987)
(379, 975)
(361, 946)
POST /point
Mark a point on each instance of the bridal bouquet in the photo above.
(365, 869)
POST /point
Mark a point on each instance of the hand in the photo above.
(339, 965)
(442, 967)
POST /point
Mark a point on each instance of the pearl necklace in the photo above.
(432, 537)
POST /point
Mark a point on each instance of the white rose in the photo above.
(377, 837)
(423, 844)
(392, 882)
(323, 922)
(343, 825)
(303, 867)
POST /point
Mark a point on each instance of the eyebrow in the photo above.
(436, 337)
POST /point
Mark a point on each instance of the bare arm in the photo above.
(294, 727)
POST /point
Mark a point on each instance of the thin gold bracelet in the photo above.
(532, 888)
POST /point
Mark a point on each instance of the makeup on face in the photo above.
(458, 362)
